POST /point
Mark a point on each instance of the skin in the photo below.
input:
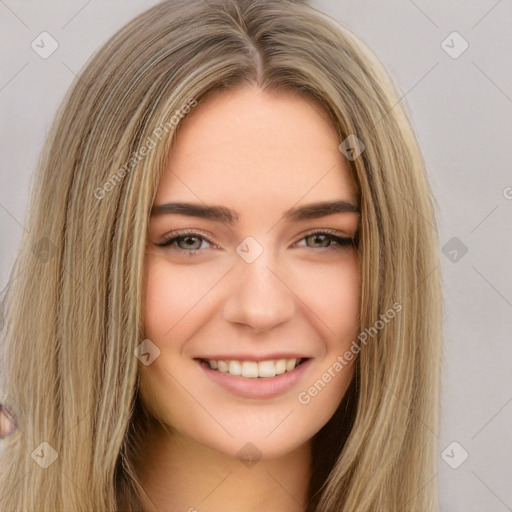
(259, 153)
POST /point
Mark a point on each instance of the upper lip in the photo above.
(252, 357)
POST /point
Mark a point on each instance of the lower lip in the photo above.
(266, 387)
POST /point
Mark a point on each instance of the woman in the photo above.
(228, 298)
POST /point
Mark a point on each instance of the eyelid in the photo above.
(183, 233)
(325, 231)
(341, 240)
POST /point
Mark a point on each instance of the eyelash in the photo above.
(340, 242)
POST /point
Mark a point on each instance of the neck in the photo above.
(178, 474)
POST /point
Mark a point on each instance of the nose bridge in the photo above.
(258, 297)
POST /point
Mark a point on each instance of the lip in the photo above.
(267, 387)
(252, 357)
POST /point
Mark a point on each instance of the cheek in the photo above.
(332, 293)
(161, 300)
(342, 301)
(173, 294)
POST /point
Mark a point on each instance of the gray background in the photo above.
(461, 110)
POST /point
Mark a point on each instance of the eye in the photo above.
(190, 242)
(318, 240)
(326, 240)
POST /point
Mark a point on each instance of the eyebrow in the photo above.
(228, 216)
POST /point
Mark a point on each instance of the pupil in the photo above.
(191, 242)
(321, 240)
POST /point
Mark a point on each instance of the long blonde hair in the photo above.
(72, 313)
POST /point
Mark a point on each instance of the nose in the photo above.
(259, 297)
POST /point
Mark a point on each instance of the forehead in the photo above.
(245, 147)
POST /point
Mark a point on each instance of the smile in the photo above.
(254, 369)
(264, 379)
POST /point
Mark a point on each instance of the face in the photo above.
(252, 279)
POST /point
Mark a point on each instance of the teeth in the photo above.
(222, 366)
(253, 369)
(235, 368)
(280, 366)
(290, 364)
(267, 369)
(250, 369)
